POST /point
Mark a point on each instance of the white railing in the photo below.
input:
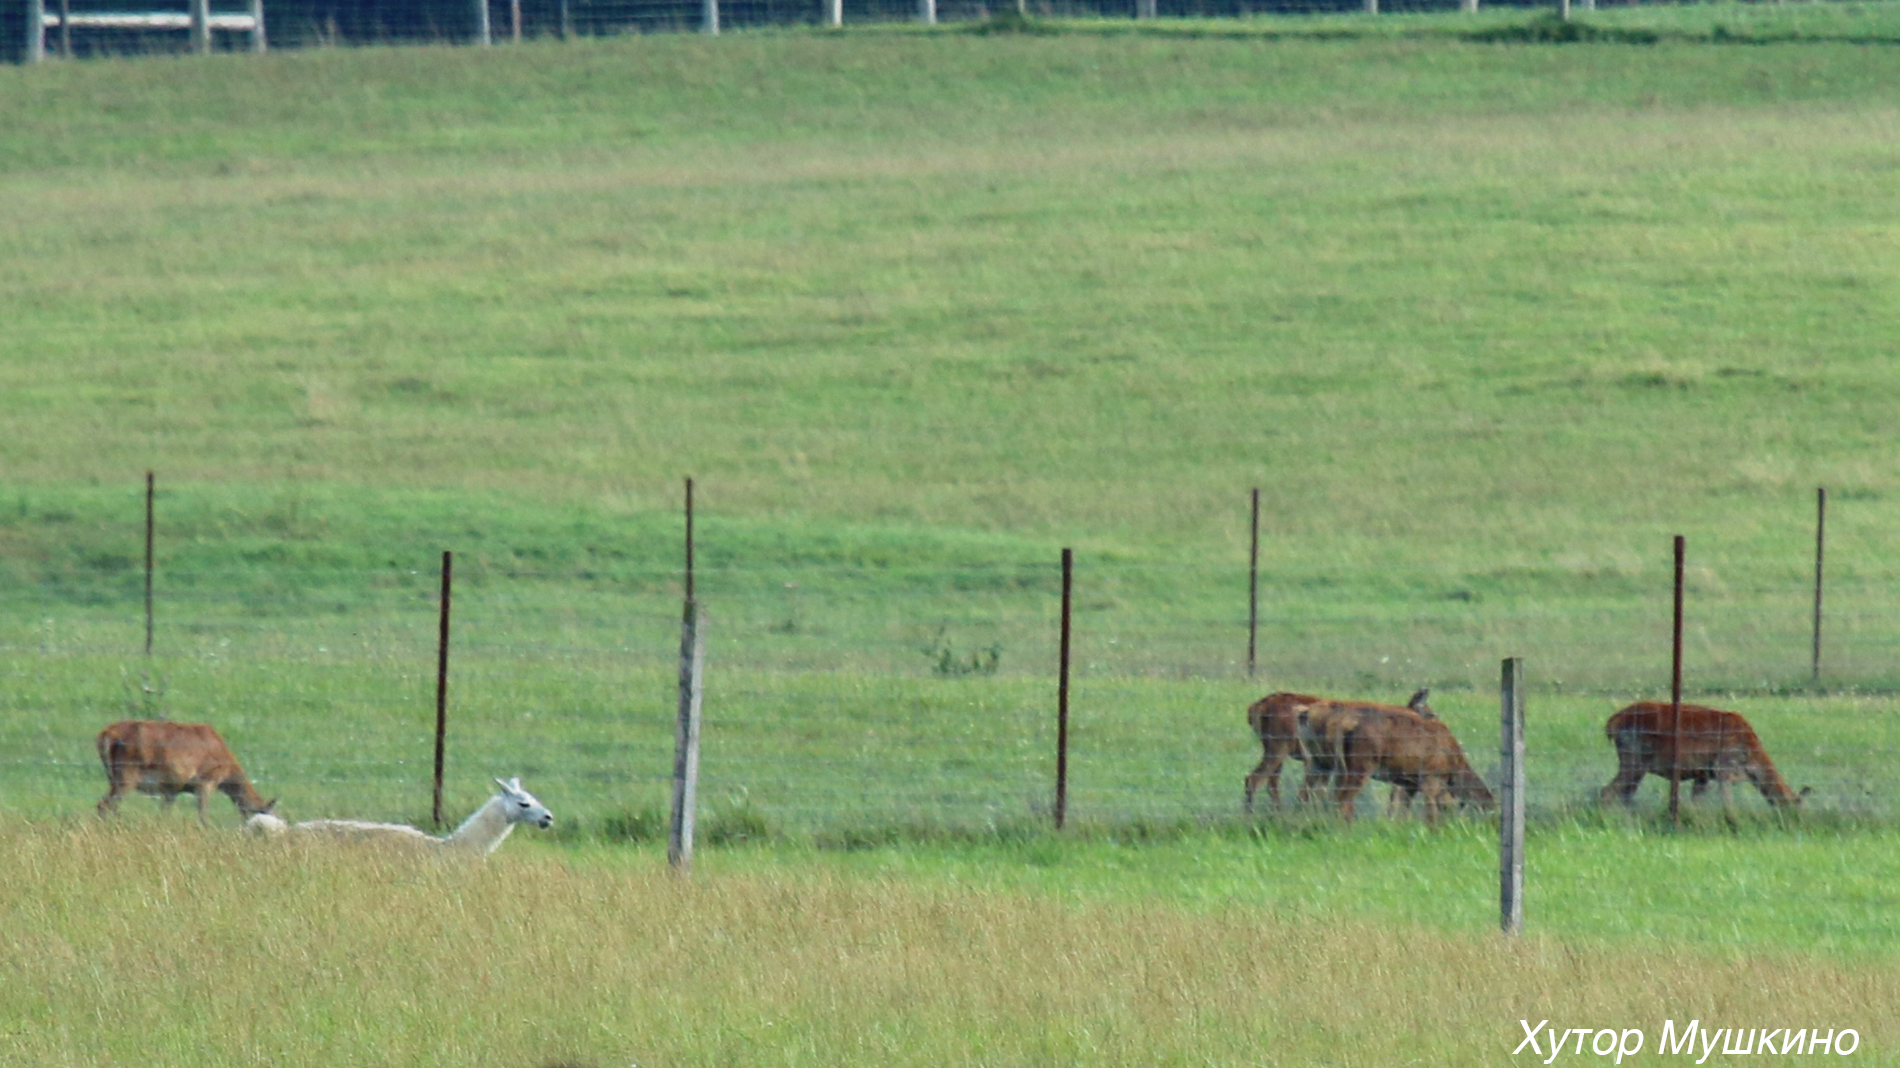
(199, 21)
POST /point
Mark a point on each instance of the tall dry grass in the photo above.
(126, 946)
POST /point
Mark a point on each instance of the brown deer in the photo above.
(1717, 746)
(167, 759)
(1275, 720)
(1348, 742)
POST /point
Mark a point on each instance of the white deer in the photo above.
(480, 833)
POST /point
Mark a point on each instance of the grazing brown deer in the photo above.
(1717, 747)
(167, 759)
(1275, 720)
(1348, 742)
(1466, 787)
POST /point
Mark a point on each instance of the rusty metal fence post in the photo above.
(1675, 698)
(1253, 584)
(1820, 546)
(150, 535)
(442, 685)
(1062, 694)
(1511, 800)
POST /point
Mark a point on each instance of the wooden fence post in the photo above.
(1511, 801)
(441, 685)
(709, 18)
(679, 838)
(484, 32)
(1062, 694)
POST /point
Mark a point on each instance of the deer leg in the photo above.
(1316, 782)
(1351, 780)
(1399, 798)
(1629, 775)
(1435, 796)
(1268, 772)
(109, 804)
(203, 791)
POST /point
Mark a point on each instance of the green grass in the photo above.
(203, 950)
(1486, 323)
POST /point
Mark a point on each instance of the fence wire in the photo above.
(871, 700)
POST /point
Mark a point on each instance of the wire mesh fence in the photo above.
(874, 697)
(109, 27)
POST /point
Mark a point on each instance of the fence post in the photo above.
(1253, 583)
(1675, 699)
(441, 685)
(35, 31)
(1511, 807)
(709, 18)
(260, 41)
(484, 34)
(201, 26)
(150, 531)
(834, 12)
(679, 838)
(1820, 544)
(1062, 694)
(927, 12)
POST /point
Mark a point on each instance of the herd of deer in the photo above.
(1342, 743)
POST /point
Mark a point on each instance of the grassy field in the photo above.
(1486, 323)
(188, 949)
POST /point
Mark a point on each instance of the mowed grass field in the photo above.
(1486, 324)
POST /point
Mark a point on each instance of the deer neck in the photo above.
(244, 795)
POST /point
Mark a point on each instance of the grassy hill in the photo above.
(1485, 323)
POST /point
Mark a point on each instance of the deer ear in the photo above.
(501, 784)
